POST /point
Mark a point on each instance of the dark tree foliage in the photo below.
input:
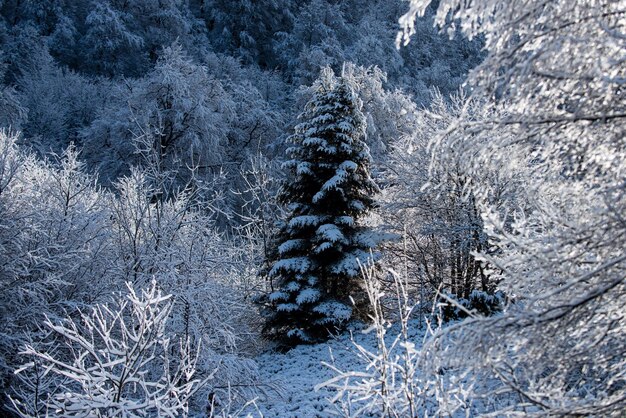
(247, 28)
(316, 264)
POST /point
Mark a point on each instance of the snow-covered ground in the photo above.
(297, 373)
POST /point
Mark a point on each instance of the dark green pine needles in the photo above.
(315, 265)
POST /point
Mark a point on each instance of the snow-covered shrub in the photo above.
(479, 302)
(560, 350)
(116, 360)
(387, 381)
(430, 203)
(260, 212)
(53, 237)
(174, 237)
(391, 378)
(67, 244)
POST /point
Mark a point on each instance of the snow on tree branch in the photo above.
(116, 361)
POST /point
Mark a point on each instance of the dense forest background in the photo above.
(227, 73)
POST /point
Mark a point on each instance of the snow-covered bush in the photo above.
(387, 380)
(53, 236)
(116, 360)
(559, 350)
(430, 203)
(174, 237)
(260, 212)
(67, 244)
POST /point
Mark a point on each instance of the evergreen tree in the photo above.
(315, 264)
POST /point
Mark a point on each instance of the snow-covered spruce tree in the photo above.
(315, 265)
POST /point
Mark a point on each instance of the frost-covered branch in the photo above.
(115, 361)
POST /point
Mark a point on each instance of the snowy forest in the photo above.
(312, 208)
